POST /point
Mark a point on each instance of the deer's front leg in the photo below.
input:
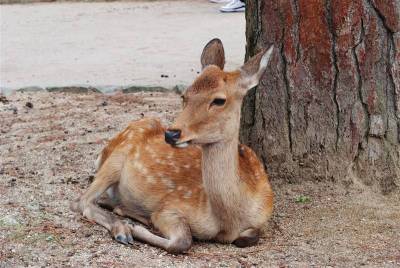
(247, 238)
(174, 228)
(173, 225)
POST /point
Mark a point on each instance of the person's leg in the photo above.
(233, 6)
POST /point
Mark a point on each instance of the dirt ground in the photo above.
(48, 145)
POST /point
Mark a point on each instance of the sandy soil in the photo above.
(49, 142)
(116, 44)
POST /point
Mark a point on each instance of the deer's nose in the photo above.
(172, 136)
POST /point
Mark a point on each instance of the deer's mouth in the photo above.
(183, 144)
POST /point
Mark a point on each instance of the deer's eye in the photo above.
(218, 102)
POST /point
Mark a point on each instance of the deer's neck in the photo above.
(220, 177)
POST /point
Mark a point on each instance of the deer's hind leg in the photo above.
(123, 211)
(247, 238)
(112, 202)
(108, 175)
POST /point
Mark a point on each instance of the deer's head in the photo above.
(212, 104)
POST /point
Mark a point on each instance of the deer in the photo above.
(191, 180)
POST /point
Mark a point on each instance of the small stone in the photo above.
(29, 104)
(49, 238)
(90, 178)
(87, 235)
(3, 99)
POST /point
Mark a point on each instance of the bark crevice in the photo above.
(286, 82)
(364, 105)
(360, 98)
(297, 20)
(328, 14)
(380, 16)
(288, 98)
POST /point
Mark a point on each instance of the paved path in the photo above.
(112, 44)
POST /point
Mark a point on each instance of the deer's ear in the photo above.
(213, 54)
(253, 69)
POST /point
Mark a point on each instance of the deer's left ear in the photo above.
(253, 69)
(213, 54)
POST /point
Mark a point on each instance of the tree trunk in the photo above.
(328, 108)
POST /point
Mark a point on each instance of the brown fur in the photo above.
(207, 190)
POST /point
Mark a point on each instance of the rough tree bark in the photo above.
(329, 106)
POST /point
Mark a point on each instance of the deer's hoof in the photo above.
(121, 232)
(122, 239)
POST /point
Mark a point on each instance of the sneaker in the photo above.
(233, 6)
(219, 1)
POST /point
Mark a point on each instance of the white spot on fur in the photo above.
(187, 166)
(169, 183)
(188, 194)
(136, 156)
(151, 179)
(137, 164)
(143, 170)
